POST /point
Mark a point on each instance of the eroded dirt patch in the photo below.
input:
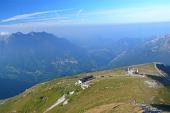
(116, 108)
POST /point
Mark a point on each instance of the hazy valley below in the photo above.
(84, 56)
(39, 56)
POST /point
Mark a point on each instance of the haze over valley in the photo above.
(39, 56)
(90, 56)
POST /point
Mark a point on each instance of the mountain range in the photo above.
(39, 56)
(157, 49)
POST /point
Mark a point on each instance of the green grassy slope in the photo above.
(111, 91)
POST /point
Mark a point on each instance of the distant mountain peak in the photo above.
(167, 35)
(161, 44)
(33, 34)
(4, 36)
(18, 33)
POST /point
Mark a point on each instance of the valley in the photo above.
(84, 56)
(37, 57)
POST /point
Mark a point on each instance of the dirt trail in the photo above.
(59, 101)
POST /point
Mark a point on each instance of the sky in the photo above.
(20, 15)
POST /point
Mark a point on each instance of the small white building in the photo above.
(133, 71)
(80, 82)
(85, 80)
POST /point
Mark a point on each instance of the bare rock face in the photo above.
(160, 44)
(155, 50)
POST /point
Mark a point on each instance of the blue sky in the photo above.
(27, 14)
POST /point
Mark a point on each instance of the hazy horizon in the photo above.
(80, 19)
(108, 31)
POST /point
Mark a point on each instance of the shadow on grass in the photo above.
(163, 107)
(164, 68)
(164, 81)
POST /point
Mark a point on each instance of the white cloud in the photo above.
(27, 16)
(80, 16)
(79, 12)
(24, 16)
(130, 15)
